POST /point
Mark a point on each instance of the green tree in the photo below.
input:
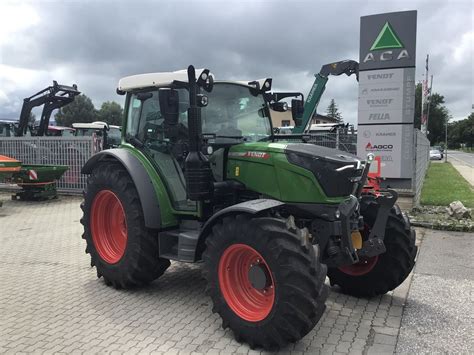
(80, 110)
(333, 111)
(438, 115)
(461, 133)
(111, 112)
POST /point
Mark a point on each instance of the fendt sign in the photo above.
(387, 93)
(388, 40)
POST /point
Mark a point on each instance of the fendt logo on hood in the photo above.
(378, 147)
(387, 40)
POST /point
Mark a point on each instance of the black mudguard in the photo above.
(249, 207)
(140, 177)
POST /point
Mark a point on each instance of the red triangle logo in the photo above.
(368, 146)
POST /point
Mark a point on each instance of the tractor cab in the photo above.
(158, 124)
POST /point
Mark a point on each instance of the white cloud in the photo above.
(15, 17)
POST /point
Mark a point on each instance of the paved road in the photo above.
(466, 158)
(464, 163)
(51, 300)
(439, 314)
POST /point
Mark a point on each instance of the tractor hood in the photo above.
(335, 170)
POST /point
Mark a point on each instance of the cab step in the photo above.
(179, 244)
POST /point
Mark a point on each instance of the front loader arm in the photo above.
(347, 67)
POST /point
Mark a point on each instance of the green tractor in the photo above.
(200, 177)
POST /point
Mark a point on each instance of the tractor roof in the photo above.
(166, 78)
(154, 79)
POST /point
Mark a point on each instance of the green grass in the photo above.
(443, 185)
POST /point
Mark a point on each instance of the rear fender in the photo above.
(140, 177)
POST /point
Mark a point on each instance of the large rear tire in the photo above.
(265, 280)
(122, 249)
(384, 272)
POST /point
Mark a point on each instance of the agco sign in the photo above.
(379, 147)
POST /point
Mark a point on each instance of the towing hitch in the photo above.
(374, 245)
(386, 200)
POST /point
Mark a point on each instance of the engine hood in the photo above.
(322, 153)
(335, 170)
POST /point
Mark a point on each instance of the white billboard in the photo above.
(387, 96)
(394, 145)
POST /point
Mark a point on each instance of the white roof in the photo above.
(93, 125)
(154, 79)
(164, 79)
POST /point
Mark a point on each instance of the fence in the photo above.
(73, 152)
(422, 160)
(340, 139)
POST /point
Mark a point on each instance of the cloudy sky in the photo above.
(94, 43)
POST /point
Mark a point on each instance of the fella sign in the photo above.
(388, 40)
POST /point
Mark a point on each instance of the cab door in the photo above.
(146, 123)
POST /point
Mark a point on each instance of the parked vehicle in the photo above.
(200, 177)
(9, 128)
(435, 154)
(110, 134)
(60, 131)
(440, 149)
(51, 98)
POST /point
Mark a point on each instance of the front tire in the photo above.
(122, 249)
(265, 280)
(382, 273)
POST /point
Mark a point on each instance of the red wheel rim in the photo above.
(108, 226)
(248, 302)
(360, 268)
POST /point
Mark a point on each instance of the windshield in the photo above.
(234, 112)
(6, 130)
(114, 136)
(68, 133)
(87, 132)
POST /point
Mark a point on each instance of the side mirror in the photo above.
(279, 106)
(169, 106)
(297, 111)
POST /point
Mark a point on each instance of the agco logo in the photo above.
(370, 147)
(386, 40)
